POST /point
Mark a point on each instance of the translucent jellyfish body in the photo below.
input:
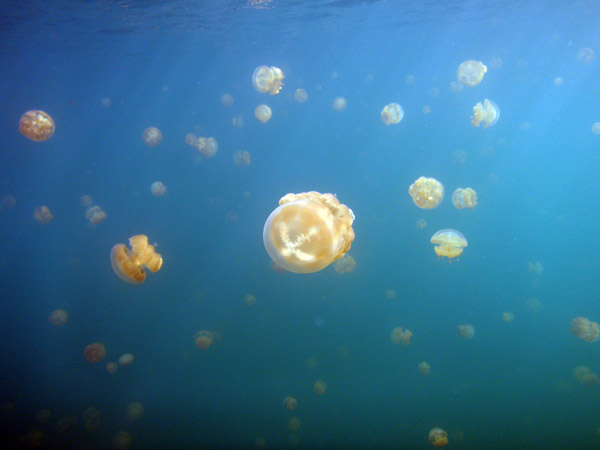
(450, 243)
(464, 198)
(585, 329)
(438, 437)
(263, 113)
(129, 264)
(486, 114)
(308, 231)
(267, 79)
(427, 193)
(471, 72)
(392, 114)
(37, 125)
(152, 136)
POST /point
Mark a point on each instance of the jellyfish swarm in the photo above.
(464, 198)
(267, 79)
(95, 352)
(487, 113)
(129, 264)
(438, 437)
(36, 125)
(471, 72)
(585, 329)
(308, 231)
(427, 193)
(450, 243)
(392, 114)
(152, 136)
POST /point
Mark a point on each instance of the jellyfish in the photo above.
(450, 243)
(129, 264)
(438, 437)
(585, 376)
(85, 201)
(91, 417)
(203, 339)
(134, 411)
(459, 156)
(158, 189)
(112, 367)
(488, 113)
(106, 102)
(585, 329)
(300, 95)
(267, 79)
(345, 264)
(122, 440)
(206, 146)
(392, 114)
(226, 100)
(59, 317)
(263, 113)
(290, 403)
(466, 331)
(238, 121)
(241, 158)
(586, 55)
(308, 231)
(126, 359)
(319, 387)
(596, 128)
(294, 424)
(470, 73)
(36, 125)
(249, 300)
(7, 201)
(400, 335)
(424, 368)
(152, 136)
(508, 316)
(464, 198)
(390, 294)
(536, 268)
(339, 104)
(427, 193)
(95, 352)
(95, 215)
(43, 215)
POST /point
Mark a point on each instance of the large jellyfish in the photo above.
(267, 79)
(450, 243)
(129, 264)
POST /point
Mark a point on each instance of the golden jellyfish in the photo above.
(59, 317)
(585, 376)
(427, 193)
(43, 215)
(466, 331)
(421, 224)
(95, 215)
(319, 387)
(300, 95)
(267, 79)
(586, 55)
(112, 367)
(158, 189)
(241, 158)
(134, 411)
(226, 100)
(508, 316)
(401, 335)
(339, 104)
(392, 114)
(36, 125)
(203, 339)
(438, 437)
(207, 146)
(129, 264)
(85, 201)
(126, 359)
(424, 368)
(308, 231)
(345, 265)
(585, 329)
(95, 352)
(471, 72)
(596, 128)
(290, 402)
(536, 268)
(464, 198)
(249, 300)
(450, 243)
(152, 136)
(263, 113)
(488, 113)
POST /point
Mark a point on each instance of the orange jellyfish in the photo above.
(129, 264)
(339, 104)
(450, 243)
(158, 189)
(95, 352)
(438, 437)
(43, 215)
(470, 73)
(267, 79)
(152, 136)
(427, 193)
(203, 339)
(345, 265)
(585, 329)
(400, 335)
(392, 114)
(308, 231)
(319, 387)
(126, 359)
(58, 317)
(464, 198)
(241, 158)
(466, 331)
(585, 376)
(263, 113)
(300, 95)
(424, 368)
(36, 125)
(290, 403)
(487, 113)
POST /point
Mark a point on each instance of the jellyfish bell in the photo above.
(152, 136)
(427, 193)
(466, 331)
(129, 264)
(59, 317)
(438, 437)
(290, 402)
(203, 339)
(95, 352)
(37, 125)
(339, 104)
(308, 231)
(464, 198)
(392, 114)
(158, 189)
(450, 243)
(585, 329)
(487, 113)
(267, 79)
(471, 72)
(424, 368)
(300, 95)
(263, 113)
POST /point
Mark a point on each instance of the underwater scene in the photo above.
(299, 224)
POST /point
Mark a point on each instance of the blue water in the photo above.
(167, 65)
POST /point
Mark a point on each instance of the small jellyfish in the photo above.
(203, 339)
(85, 201)
(488, 113)
(308, 231)
(464, 198)
(206, 146)
(421, 224)
(134, 411)
(95, 215)
(319, 387)
(508, 316)
(339, 104)
(585, 329)
(91, 417)
(290, 403)
(129, 264)
(392, 114)
(241, 158)
(126, 359)
(43, 215)
(95, 352)
(401, 335)
(152, 136)
(586, 55)
(424, 368)
(596, 128)
(345, 264)
(7, 201)
(536, 268)
(558, 81)
(466, 331)
(59, 317)
(249, 300)
(450, 243)
(106, 102)
(390, 294)
(300, 95)
(267, 79)
(158, 189)
(36, 125)
(459, 157)
(112, 367)
(294, 424)
(122, 440)
(470, 73)
(438, 437)
(585, 376)
(427, 193)
(237, 121)
(226, 100)
(263, 113)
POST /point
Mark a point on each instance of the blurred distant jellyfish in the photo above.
(486, 113)
(126, 359)
(450, 243)
(399, 335)
(345, 264)
(263, 113)
(91, 418)
(95, 215)
(249, 300)
(129, 264)
(241, 158)
(586, 55)
(207, 146)
(426, 109)
(585, 376)
(508, 316)
(237, 121)
(43, 215)
(267, 79)
(459, 156)
(471, 72)
(36, 125)
(111, 367)
(300, 95)
(158, 189)
(134, 411)
(308, 231)
(152, 136)
(392, 114)
(464, 198)
(290, 403)
(294, 424)
(390, 294)
(409, 79)
(438, 437)
(424, 368)
(275, 268)
(319, 387)
(59, 317)
(496, 62)
(203, 339)
(226, 100)
(421, 224)
(558, 81)
(536, 268)
(85, 201)
(466, 331)
(95, 352)
(585, 329)
(7, 201)
(106, 102)
(455, 86)
(122, 440)
(596, 128)
(434, 92)
(427, 193)
(339, 104)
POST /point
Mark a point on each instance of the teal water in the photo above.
(166, 65)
